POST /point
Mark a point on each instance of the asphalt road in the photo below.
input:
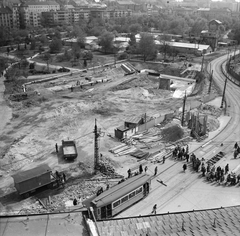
(188, 191)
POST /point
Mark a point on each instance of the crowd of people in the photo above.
(219, 174)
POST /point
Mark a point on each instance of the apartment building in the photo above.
(6, 17)
(30, 12)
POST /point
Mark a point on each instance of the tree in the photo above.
(199, 25)
(33, 44)
(135, 28)
(87, 55)
(106, 41)
(147, 47)
(46, 57)
(3, 64)
(55, 46)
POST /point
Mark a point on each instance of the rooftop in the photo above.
(189, 45)
(221, 221)
(60, 224)
(28, 174)
(49, 3)
(5, 10)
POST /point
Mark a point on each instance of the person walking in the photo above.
(226, 169)
(146, 168)
(184, 167)
(236, 145)
(187, 157)
(56, 146)
(154, 210)
(163, 159)
(140, 169)
(129, 173)
(155, 170)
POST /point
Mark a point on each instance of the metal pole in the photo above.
(184, 102)
(202, 63)
(96, 148)
(223, 96)
(210, 84)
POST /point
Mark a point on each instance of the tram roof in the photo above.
(121, 189)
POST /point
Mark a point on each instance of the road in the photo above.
(188, 191)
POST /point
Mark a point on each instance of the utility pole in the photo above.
(97, 133)
(210, 84)
(223, 96)
(183, 111)
(96, 148)
(202, 63)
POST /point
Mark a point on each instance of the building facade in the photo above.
(6, 19)
(30, 13)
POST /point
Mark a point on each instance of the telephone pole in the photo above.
(202, 63)
(223, 96)
(210, 84)
(183, 111)
(96, 148)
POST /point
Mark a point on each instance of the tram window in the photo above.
(132, 194)
(117, 203)
(98, 211)
(138, 190)
(124, 199)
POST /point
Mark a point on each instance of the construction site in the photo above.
(117, 116)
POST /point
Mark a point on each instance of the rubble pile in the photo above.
(211, 110)
(106, 168)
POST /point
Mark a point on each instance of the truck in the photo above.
(69, 150)
(27, 182)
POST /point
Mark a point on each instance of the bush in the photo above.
(172, 134)
(122, 56)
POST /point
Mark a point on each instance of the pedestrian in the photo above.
(154, 210)
(187, 157)
(140, 169)
(163, 159)
(184, 167)
(236, 145)
(56, 146)
(129, 173)
(146, 168)
(155, 170)
(187, 149)
(208, 168)
(64, 177)
(72, 89)
(226, 169)
(74, 201)
(107, 187)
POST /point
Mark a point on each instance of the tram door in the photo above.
(106, 211)
(146, 189)
(103, 212)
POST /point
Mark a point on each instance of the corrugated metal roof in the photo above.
(189, 45)
(134, 119)
(121, 189)
(221, 221)
(28, 174)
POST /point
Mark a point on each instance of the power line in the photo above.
(83, 136)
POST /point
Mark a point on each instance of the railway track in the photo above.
(178, 183)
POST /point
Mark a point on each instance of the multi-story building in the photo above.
(30, 12)
(6, 17)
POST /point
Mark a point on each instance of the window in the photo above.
(124, 199)
(131, 194)
(117, 203)
(138, 190)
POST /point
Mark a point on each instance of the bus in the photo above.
(121, 196)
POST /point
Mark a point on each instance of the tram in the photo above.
(121, 196)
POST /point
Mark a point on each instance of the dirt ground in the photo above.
(58, 114)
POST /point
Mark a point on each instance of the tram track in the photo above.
(178, 183)
(233, 108)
